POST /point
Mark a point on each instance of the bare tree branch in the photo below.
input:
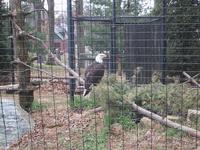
(191, 79)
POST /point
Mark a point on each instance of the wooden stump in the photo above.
(26, 98)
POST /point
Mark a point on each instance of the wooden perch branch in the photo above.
(76, 75)
(191, 79)
(166, 121)
(9, 87)
(38, 69)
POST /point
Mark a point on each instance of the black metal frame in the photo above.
(113, 20)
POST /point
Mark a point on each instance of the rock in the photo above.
(173, 118)
(14, 122)
(116, 129)
(193, 115)
(146, 121)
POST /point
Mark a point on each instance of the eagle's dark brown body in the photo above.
(93, 75)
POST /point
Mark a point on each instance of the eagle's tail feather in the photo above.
(86, 91)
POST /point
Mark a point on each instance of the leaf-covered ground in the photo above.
(59, 127)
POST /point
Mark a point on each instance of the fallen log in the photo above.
(166, 121)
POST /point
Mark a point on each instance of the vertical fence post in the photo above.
(164, 61)
(71, 49)
(113, 65)
(12, 51)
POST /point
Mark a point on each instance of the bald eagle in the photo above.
(94, 73)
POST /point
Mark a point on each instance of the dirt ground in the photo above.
(59, 127)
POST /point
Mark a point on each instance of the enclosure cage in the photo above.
(148, 97)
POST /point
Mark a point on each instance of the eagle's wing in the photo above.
(93, 75)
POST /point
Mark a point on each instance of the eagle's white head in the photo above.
(99, 58)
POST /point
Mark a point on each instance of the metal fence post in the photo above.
(71, 49)
(113, 65)
(164, 61)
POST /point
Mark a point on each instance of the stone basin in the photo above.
(14, 122)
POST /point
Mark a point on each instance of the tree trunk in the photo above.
(39, 6)
(51, 30)
(12, 7)
(25, 94)
(80, 33)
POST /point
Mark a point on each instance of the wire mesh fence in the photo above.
(144, 95)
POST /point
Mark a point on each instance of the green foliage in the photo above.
(172, 132)
(97, 36)
(109, 94)
(183, 37)
(95, 141)
(3, 25)
(172, 99)
(37, 47)
(5, 52)
(37, 106)
(158, 7)
(116, 115)
(126, 121)
(105, 93)
(116, 95)
(101, 8)
(83, 103)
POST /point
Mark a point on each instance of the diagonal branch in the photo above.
(191, 79)
(71, 71)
